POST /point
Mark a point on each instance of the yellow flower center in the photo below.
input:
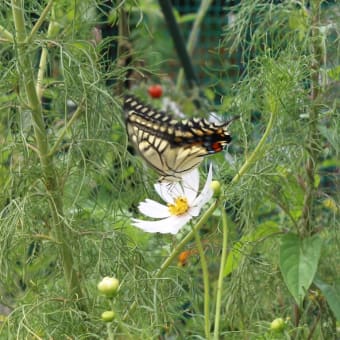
(179, 207)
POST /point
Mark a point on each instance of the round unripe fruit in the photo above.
(108, 315)
(277, 325)
(216, 187)
(108, 286)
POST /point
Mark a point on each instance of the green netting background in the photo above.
(207, 56)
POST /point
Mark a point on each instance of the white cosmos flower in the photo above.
(183, 203)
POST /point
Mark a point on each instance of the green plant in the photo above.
(266, 249)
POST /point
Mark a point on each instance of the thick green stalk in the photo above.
(205, 273)
(46, 162)
(221, 276)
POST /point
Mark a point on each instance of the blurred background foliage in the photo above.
(61, 234)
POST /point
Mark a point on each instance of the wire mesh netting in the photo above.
(206, 55)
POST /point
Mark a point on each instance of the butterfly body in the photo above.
(172, 147)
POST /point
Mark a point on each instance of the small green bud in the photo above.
(216, 187)
(108, 286)
(108, 316)
(277, 325)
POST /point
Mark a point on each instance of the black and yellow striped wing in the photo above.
(169, 146)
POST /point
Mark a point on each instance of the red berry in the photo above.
(155, 91)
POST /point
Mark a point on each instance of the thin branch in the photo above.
(257, 153)
(75, 115)
(205, 273)
(40, 21)
(313, 138)
(221, 275)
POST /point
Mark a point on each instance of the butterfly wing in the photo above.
(172, 147)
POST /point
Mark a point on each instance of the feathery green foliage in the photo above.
(70, 185)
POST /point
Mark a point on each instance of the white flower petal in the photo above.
(206, 193)
(170, 225)
(190, 185)
(194, 211)
(169, 191)
(153, 209)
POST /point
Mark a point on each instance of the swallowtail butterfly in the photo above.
(169, 146)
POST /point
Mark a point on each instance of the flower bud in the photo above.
(108, 286)
(108, 315)
(277, 325)
(216, 187)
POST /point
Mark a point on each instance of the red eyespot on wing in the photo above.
(217, 146)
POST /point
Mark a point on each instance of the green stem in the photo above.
(40, 21)
(313, 135)
(74, 117)
(46, 162)
(186, 240)
(193, 37)
(257, 153)
(110, 335)
(221, 276)
(43, 60)
(177, 250)
(205, 273)
(119, 325)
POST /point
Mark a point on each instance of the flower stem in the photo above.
(177, 250)
(206, 285)
(119, 325)
(221, 276)
(257, 153)
(186, 240)
(110, 335)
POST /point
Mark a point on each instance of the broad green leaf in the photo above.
(244, 246)
(332, 295)
(298, 263)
